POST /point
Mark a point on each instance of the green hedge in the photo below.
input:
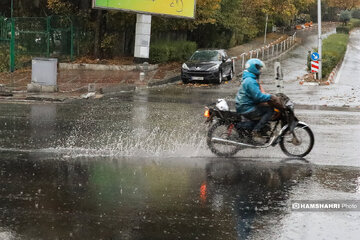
(334, 48)
(354, 23)
(343, 29)
(171, 51)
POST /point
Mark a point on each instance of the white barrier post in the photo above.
(279, 83)
(243, 61)
(233, 63)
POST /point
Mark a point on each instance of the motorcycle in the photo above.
(230, 132)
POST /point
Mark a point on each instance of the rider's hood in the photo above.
(248, 74)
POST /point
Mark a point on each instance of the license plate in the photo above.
(197, 78)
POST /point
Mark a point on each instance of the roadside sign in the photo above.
(145, 9)
(314, 66)
(315, 56)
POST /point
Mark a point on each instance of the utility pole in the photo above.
(12, 8)
(12, 40)
(266, 25)
(320, 40)
(142, 38)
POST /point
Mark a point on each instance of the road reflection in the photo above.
(46, 196)
(254, 191)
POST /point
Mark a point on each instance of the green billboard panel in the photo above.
(176, 8)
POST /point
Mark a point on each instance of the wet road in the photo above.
(346, 90)
(136, 166)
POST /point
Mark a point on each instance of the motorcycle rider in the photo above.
(251, 101)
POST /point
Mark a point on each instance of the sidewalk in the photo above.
(75, 83)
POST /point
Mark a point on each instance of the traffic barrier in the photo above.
(267, 52)
(315, 66)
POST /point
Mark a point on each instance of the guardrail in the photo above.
(265, 53)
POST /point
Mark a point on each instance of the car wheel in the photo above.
(231, 75)
(185, 81)
(220, 78)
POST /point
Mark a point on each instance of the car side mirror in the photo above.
(223, 59)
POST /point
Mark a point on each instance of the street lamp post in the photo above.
(320, 40)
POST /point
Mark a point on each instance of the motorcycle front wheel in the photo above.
(224, 131)
(299, 143)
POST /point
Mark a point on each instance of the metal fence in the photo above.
(265, 53)
(5, 28)
(51, 36)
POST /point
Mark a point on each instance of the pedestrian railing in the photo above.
(51, 36)
(265, 53)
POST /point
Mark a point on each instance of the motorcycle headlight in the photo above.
(214, 68)
(185, 67)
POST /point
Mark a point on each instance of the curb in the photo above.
(45, 99)
(333, 74)
(165, 81)
(103, 67)
(330, 79)
(117, 89)
(310, 83)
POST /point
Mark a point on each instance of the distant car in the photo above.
(208, 65)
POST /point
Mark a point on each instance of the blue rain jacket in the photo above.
(249, 94)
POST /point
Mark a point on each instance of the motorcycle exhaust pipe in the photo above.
(229, 142)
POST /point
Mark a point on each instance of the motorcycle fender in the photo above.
(211, 122)
(284, 130)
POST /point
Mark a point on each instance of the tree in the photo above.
(345, 16)
(60, 7)
(344, 4)
(356, 13)
(303, 5)
(205, 11)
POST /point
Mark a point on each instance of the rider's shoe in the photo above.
(256, 134)
(257, 137)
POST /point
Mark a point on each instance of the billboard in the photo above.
(175, 8)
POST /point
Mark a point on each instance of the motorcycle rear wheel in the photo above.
(224, 131)
(299, 146)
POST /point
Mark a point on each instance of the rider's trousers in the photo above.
(262, 114)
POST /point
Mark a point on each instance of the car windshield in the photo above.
(206, 56)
